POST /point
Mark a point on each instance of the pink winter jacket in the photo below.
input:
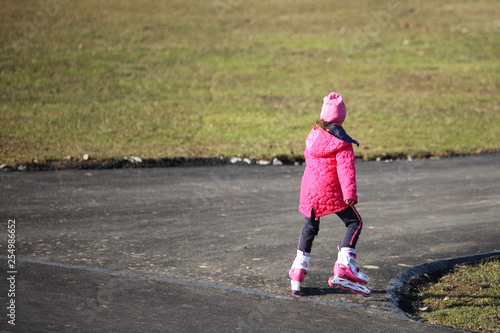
(330, 174)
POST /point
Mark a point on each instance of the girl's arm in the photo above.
(346, 171)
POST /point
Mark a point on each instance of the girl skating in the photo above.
(329, 186)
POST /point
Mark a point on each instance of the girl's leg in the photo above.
(300, 265)
(309, 231)
(354, 224)
(346, 274)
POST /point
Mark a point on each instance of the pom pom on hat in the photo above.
(333, 109)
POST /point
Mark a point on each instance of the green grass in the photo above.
(468, 298)
(207, 78)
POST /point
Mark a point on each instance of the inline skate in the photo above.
(298, 271)
(347, 275)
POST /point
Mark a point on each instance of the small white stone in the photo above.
(135, 159)
(276, 161)
(235, 160)
(263, 162)
(246, 160)
(86, 157)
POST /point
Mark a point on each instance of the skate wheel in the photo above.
(343, 288)
(367, 294)
(333, 285)
(355, 292)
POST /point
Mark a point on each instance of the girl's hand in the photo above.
(350, 202)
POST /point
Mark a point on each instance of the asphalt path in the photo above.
(207, 249)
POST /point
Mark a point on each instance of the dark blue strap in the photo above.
(338, 132)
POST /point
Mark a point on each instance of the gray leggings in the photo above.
(349, 216)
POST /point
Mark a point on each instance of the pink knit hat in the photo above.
(333, 109)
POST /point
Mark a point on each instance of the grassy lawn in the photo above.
(468, 298)
(225, 77)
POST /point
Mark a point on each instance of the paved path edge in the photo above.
(394, 291)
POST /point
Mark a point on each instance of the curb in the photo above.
(394, 290)
(90, 163)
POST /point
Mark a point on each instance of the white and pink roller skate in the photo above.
(347, 275)
(298, 271)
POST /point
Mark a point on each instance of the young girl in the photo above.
(329, 186)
